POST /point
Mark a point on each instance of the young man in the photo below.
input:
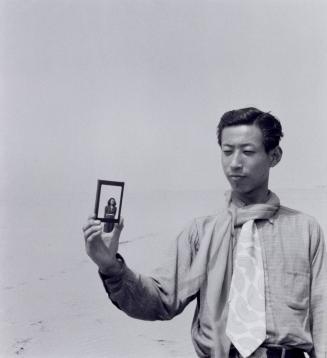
(258, 270)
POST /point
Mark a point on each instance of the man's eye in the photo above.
(248, 152)
(227, 152)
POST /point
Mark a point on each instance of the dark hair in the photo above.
(269, 125)
(113, 200)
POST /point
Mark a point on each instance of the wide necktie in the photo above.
(246, 322)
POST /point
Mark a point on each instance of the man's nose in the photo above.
(236, 162)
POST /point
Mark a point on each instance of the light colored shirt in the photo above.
(295, 265)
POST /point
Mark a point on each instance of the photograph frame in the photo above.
(101, 183)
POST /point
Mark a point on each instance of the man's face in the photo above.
(244, 159)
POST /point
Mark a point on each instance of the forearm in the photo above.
(161, 296)
(140, 296)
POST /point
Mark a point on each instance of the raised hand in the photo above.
(102, 247)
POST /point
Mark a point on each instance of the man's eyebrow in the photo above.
(241, 145)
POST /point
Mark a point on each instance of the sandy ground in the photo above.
(64, 312)
(54, 305)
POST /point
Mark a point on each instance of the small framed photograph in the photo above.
(108, 201)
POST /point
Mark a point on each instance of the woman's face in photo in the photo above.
(112, 202)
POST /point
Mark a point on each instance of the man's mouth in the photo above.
(236, 177)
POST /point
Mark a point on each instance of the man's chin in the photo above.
(239, 189)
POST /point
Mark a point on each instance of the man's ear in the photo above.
(275, 156)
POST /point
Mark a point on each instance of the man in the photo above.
(258, 270)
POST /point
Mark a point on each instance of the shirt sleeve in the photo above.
(318, 299)
(160, 296)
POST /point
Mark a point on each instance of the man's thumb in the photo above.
(119, 227)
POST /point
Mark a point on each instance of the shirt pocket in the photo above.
(297, 288)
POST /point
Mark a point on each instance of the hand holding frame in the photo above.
(102, 247)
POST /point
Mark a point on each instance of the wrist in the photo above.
(113, 268)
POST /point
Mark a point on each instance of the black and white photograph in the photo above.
(108, 201)
(164, 179)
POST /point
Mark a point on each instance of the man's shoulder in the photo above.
(207, 218)
(285, 215)
(207, 223)
(287, 211)
(212, 218)
(293, 215)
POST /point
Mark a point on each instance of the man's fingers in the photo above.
(94, 228)
(120, 225)
(90, 225)
(92, 236)
(118, 228)
(90, 222)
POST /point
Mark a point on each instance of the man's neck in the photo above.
(251, 198)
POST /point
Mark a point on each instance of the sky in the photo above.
(132, 90)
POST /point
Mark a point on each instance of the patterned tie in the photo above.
(246, 322)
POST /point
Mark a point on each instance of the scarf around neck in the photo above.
(213, 264)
